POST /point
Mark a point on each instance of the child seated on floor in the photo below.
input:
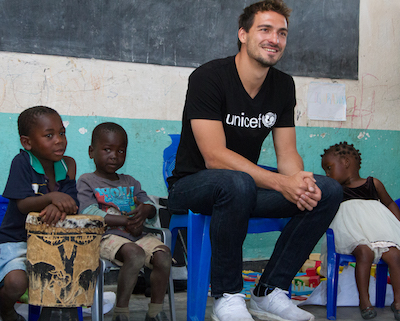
(125, 208)
(366, 224)
(41, 180)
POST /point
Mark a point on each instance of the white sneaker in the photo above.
(278, 307)
(231, 307)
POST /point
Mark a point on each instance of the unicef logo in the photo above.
(269, 119)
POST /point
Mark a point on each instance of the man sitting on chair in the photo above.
(231, 106)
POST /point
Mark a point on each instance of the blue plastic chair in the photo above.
(398, 202)
(334, 260)
(199, 246)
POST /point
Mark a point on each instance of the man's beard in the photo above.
(266, 63)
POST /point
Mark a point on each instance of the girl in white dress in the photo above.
(367, 223)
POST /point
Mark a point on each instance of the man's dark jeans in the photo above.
(232, 197)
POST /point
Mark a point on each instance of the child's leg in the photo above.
(158, 258)
(159, 277)
(392, 259)
(364, 258)
(130, 258)
(133, 258)
(15, 285)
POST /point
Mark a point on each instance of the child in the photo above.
(41, 180)
(125, 207)
(367, 223)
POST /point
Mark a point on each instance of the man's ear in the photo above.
(25, 142)
(242, 35)
(90, 151)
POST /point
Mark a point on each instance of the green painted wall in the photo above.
(148, 138)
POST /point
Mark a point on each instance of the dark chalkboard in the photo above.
(323, 34)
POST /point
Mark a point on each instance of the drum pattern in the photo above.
(62, 263)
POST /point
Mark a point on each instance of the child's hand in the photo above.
(63, 202)
(134, 231)
(51, 215)
(140, 213)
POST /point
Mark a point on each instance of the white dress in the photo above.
(368, 222)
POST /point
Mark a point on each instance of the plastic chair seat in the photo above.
(334, 260)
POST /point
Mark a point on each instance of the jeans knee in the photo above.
(331, 189)
(237, 187)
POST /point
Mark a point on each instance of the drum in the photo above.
(63, 260)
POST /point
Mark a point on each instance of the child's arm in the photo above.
(71, 164)
(53, 206)
(386, 199)
(112, 220)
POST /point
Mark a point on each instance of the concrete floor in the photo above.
(138, 308)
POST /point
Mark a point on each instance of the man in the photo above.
(231, 106)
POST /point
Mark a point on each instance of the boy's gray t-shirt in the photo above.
(112, 197)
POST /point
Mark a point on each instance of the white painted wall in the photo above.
(87, 87)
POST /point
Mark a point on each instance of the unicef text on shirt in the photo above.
(268, 120)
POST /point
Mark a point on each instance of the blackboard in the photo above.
(323, 34)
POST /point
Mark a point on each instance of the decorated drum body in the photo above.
(63, 260)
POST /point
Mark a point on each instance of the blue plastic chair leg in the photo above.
(199, 258)
(80, 314)
(381, 281)
(332, 287)
(34, 313)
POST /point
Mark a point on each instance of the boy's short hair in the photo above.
(107, 127)
(27, 119)
(246, 19)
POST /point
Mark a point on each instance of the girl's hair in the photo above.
(28, 118)
(106, 128)
(342, 149)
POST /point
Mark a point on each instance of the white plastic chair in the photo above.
(105, 266)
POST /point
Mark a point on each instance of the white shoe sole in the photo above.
(263, 315)
(214, 317)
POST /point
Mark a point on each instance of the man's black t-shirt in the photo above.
(216, 92)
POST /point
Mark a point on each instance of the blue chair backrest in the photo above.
(170, 156)
(3, 207)
(398, 202)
